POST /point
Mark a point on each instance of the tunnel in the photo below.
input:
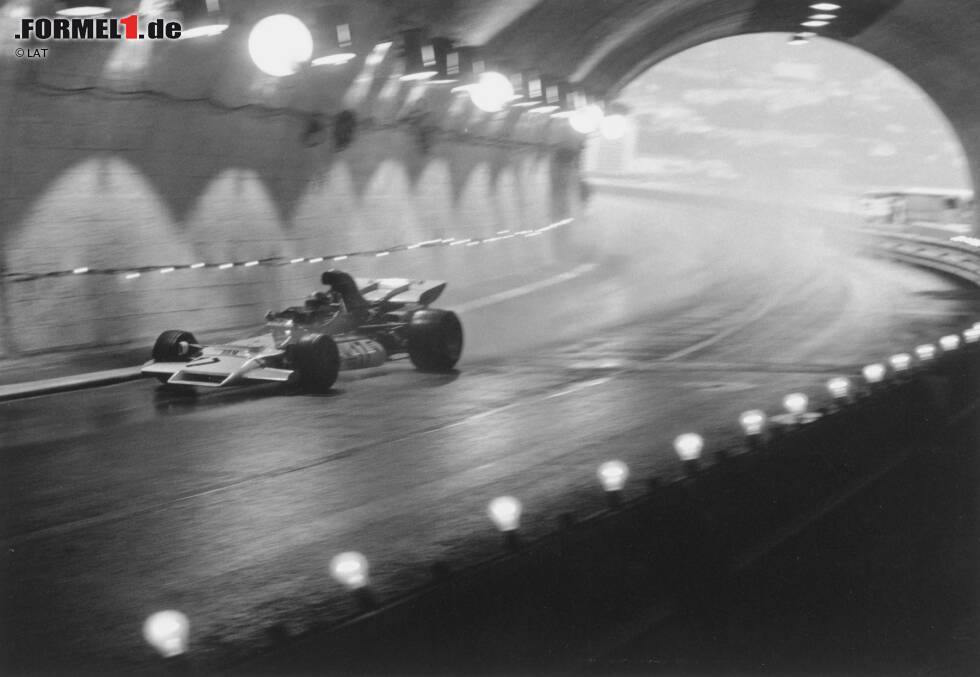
(89, 123)
(552, 420)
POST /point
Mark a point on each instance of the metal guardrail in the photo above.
(959, 257)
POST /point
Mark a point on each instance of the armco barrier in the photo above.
(958, 256)
(597, 582)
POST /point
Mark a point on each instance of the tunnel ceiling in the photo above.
(604, 44)
(601, 45)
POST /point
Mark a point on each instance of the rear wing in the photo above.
(400, 290)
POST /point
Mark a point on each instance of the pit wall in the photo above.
(120, 182)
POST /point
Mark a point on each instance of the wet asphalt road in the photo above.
(122, 500)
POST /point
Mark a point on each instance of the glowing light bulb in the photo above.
(613, 475)
(839, 387)
(585, 120)
(350, 569)
(753, 421)
(505, 512)
(950, 342)
(492, 92)
(925, 352)
(613, 127)
(167, 632)
(280, 44)
(874, 373)
(900, 362)
(972, 335)
(825, 6)
(688, 446)
(814, 24)
(796, 403)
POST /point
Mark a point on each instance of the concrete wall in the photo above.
(127, 181)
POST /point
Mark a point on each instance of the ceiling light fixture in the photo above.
(420, 56)
(447, 62)
(334, 41)
(280, 44)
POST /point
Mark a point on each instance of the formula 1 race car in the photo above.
(352, 325)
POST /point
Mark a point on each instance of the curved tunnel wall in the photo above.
(119, 184)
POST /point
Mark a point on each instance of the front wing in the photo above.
(214, 375)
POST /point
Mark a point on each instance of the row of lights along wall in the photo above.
(821, 15)
(281, 45)
(168, 631)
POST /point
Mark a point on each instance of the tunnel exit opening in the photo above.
(818, 123)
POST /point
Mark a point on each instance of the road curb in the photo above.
(62, 384)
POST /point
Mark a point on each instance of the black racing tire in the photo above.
(168, 348)
(316, 361)
(435, 339)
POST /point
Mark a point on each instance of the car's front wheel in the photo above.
(316, 361)
(435, 339)
(174, 345)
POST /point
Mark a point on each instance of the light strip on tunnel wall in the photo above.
(134, 272)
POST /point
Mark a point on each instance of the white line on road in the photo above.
(526, 289)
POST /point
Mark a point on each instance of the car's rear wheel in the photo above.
(174, 345)
(316, 361)
(435, 339)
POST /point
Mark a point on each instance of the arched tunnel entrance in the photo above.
(812, 123)
(607, 45)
